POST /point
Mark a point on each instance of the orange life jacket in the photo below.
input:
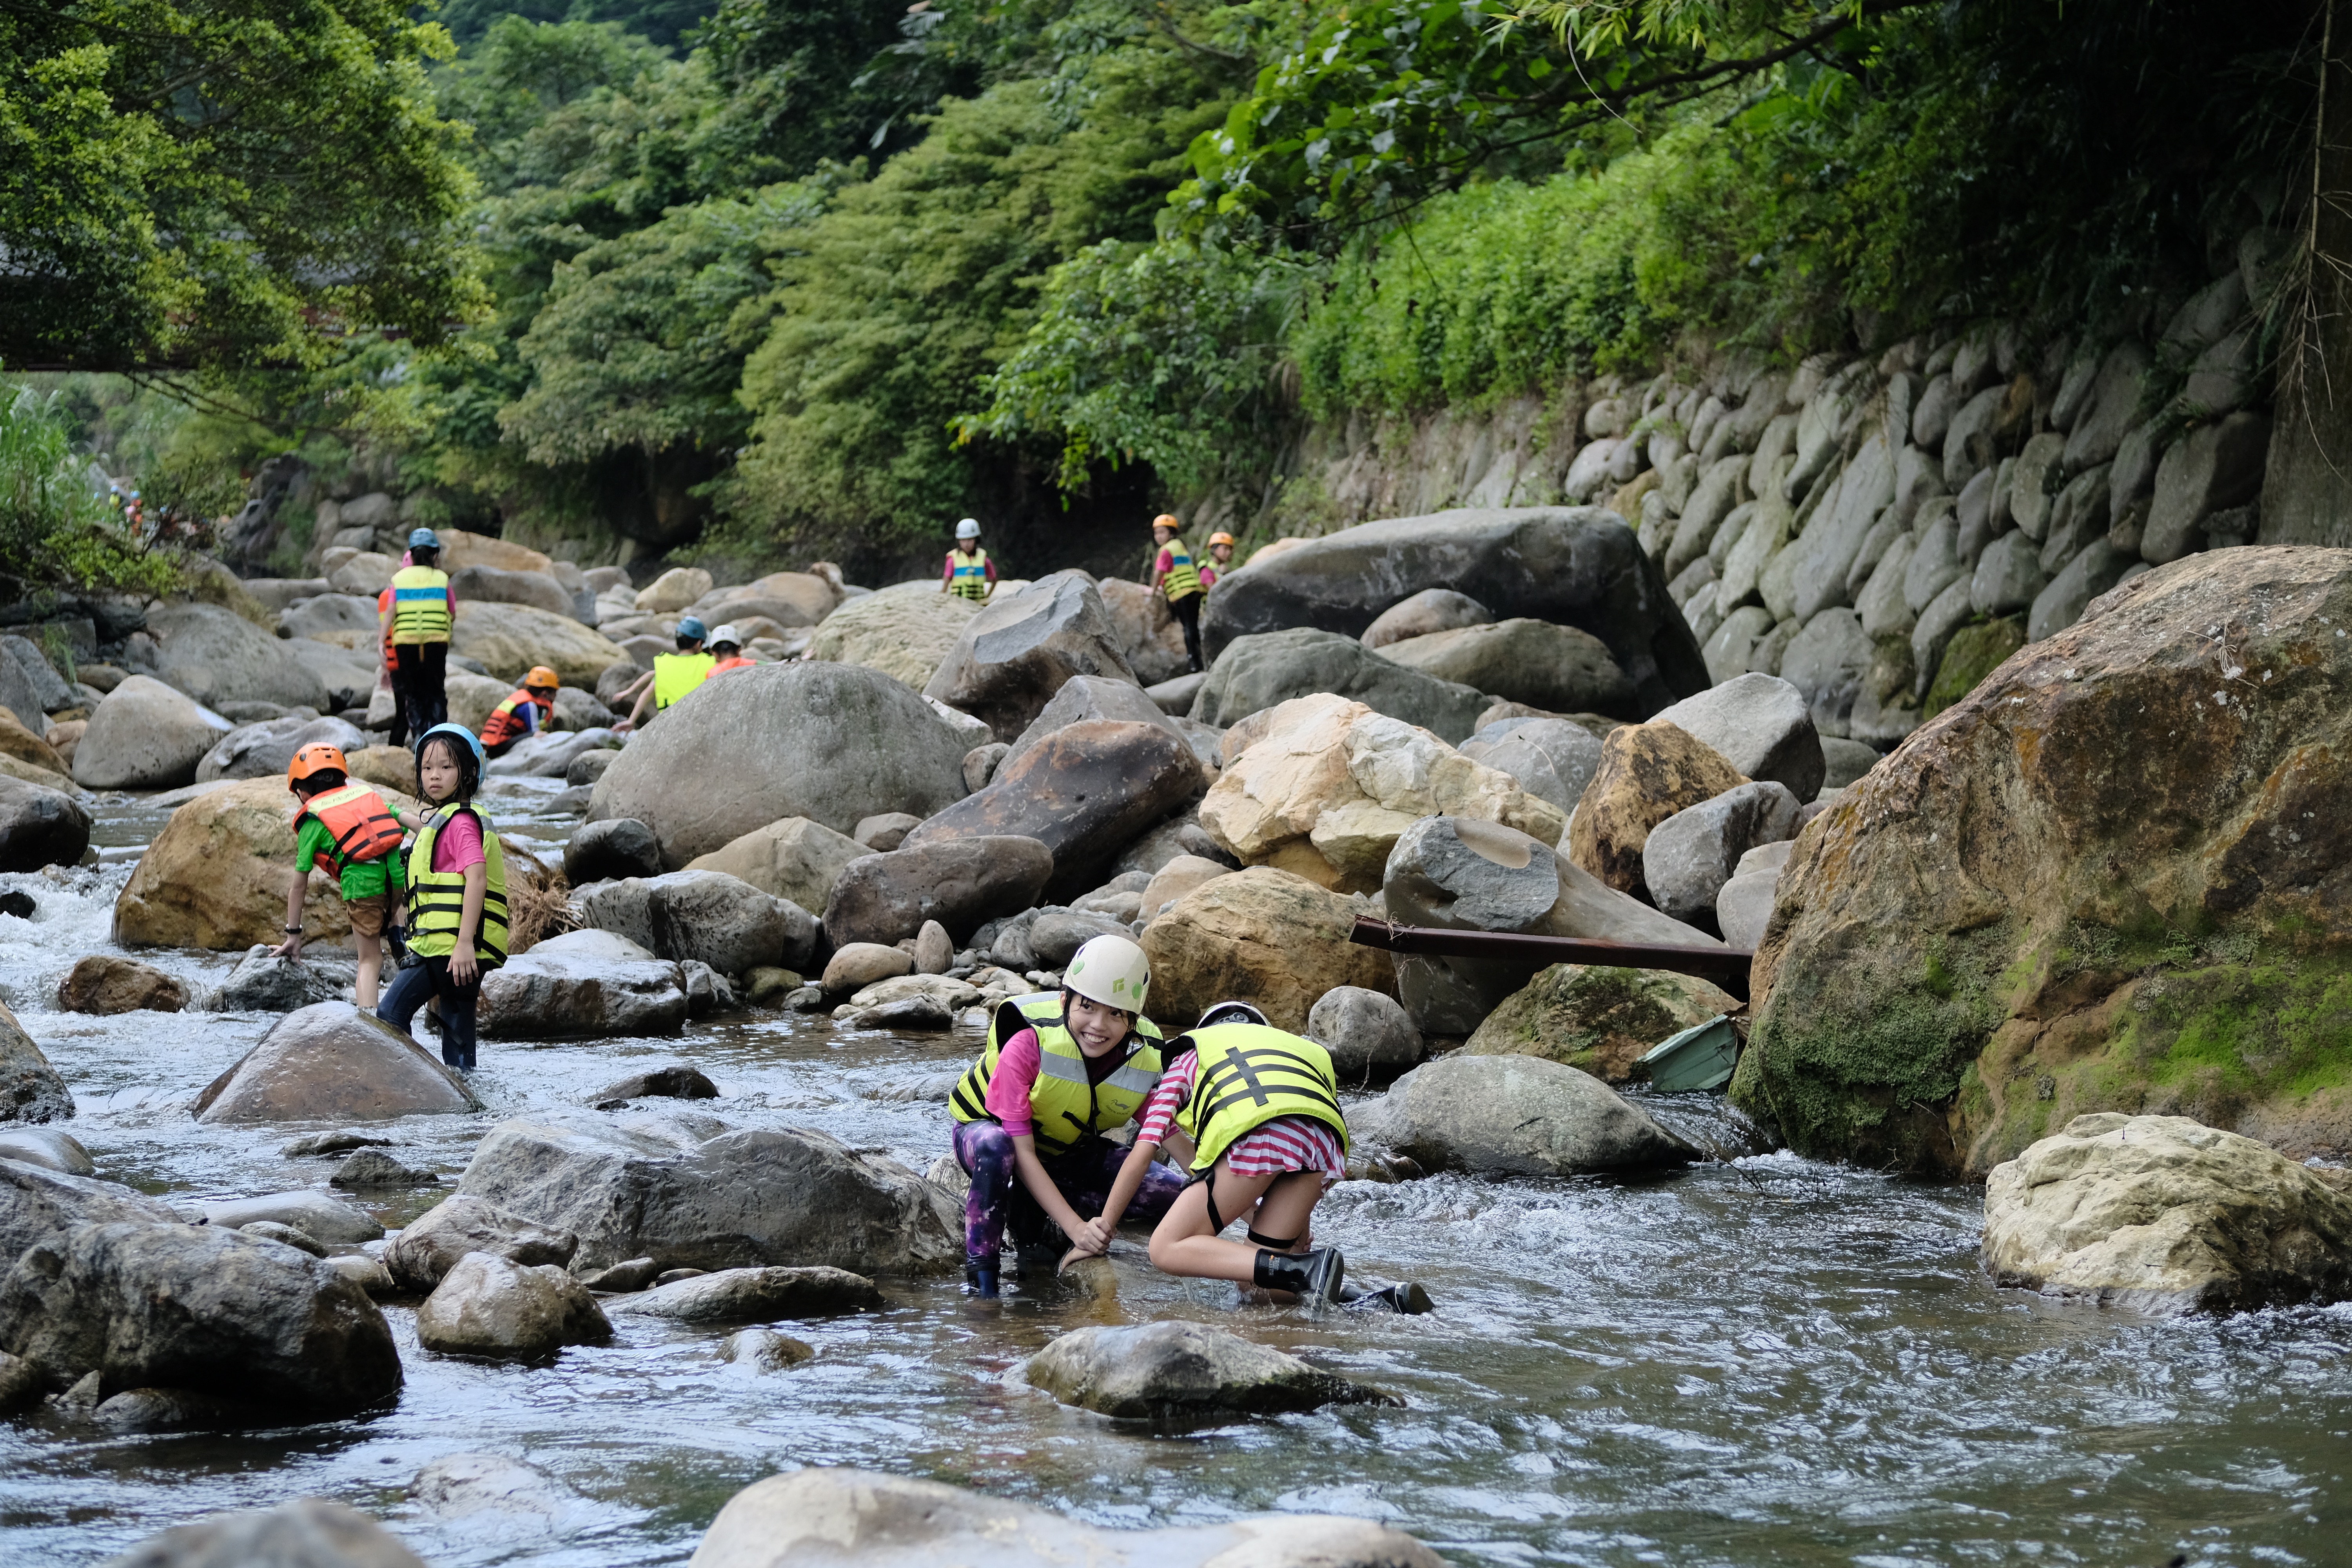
(737, 662)
(362, 826)
(502, 725)
(383, 627)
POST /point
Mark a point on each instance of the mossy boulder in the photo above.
(1597, 1019)
(1973, 653)
(2116, 876)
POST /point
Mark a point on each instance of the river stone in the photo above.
(796, 859)
(1552, 759)
(316, 1215)
(1159, 1371)
(2097, 568)
(509, 639)
(2163, 1213)
(1827, 662)
(144, 734)
(763, 1295)
(2214, 467)
(560, 992)
(1149, 633)
(1545, 666)
(41, 1204)
(435, 1240)
(1512, 1116)
(1846, 761)
(1762, 726)
(765, 1351)
(704, 917)
(649, 1187)
(308, 1533)
(858, 964)
(1262, 936)
(550, 756)
(963, 883)
(285, 1236)
(1084, 698)
(1597, 1019)
(40, 827)
(1420, 615)
(495, 586)
(1151, 852)
(1084, 791)
(218, 656)
(495, 1494)
(173, 1410)
(48, 1148)
(884, 831)
(263, 750)
(831, 742)
(1176, 878)
(674, 1081)
(2007, 576)
(906, 634)
(494, 1307)
(1057, 934)
(891, 1521)
(375, 1168)
(1366, 1032)
(2113, 399)
(1936, 1001)
(1743, 907)
(103, 985)
(1018, 651)
(619, 847)
(202, 1307)
(1689, 855)
(1647, 773)
(1261, 672)
(331, 1062)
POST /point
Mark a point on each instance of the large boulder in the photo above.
(961, 883)
(1421, 615)
(496, 1307)
(507, 640)
(1331, 783)
(1366, 1032)
(1512, 1116)
(650, 1187)
(557, 991)
(40, 827)
(1688, 857)
(893, 1521)
(30, 1089)
(795, 858)
(1574, 566)
(216, 655)
(497, 586)
(2073, 890)
(1520, 660)
(1761, 725)
(1647, 773)
(431, 1243)
(331, 1062)
(1012, 658)
(1597, 1019)
(1261, 936)
(262, 751)
(756, 1296)
(200, 1308)
(1091, 698)
(1258, 672)
(1552, 759)
(2162, 1212)
(105, 983)
(550, 756)
(1178, 1371)
(1084, 792)
(1149, 633)
(614, 847)
(905, 633)
(38, 1205)
(308, 1533)
(833, 742)
(144, 734)
(706, 916)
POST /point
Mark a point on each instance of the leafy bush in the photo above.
(56, 529)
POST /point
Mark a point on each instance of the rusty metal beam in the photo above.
(1728, 966)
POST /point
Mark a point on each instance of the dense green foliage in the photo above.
(57, 529)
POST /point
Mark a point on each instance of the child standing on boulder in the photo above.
(347, 829)
(457, 894)
(1173, 574)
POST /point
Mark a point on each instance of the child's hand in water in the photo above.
(1091, 1239)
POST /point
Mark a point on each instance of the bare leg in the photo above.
(1185, 1243)
(370, 952)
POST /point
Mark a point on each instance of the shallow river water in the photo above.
(1767, 1361)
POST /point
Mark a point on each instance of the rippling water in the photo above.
(1764, 1361)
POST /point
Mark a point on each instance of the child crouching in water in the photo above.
(457, 894)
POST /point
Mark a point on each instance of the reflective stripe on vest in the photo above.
(436, 899)
(420, 604)
(676, 674)
(1249, 1075)
(1182, 580)
(1061, 1100)
(362, 826)
(971, 573)
(502, 725)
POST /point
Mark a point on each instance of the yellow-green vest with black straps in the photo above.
(436, 899)
(971, 573)
(420, 605)
(1182, 579)
(1249, 1075)
(676, 674)
(1064, 1108)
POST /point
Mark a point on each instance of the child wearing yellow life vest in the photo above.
(1220, 561)
(456, 895)
(969, 574)
(1174, 574)
(347, 829)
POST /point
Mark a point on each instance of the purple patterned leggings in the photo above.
(999, 1202)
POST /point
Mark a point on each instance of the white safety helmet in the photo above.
(1110, 969)
(726, 634)
(1230, 1012)
(968, 529)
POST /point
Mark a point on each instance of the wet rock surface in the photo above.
(431, 1243)
(756, 1295)
(329, 1061)
(1174, 1370)
(1513, 1115)
(493, 1306)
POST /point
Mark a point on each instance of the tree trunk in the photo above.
(2307, 494)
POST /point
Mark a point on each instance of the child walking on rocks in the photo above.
(1058, 1071)
(456, 895)
(344, 828)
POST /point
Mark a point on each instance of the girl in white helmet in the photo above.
(1059, 1071)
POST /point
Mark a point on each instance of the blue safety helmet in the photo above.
(473, 742)
(424, 539)
(691, 627)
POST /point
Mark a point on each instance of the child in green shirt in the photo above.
(347, 828)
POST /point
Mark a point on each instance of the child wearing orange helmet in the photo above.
(524, 714)
(1221, 558)
(347, 829)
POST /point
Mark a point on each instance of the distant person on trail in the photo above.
(345, 828)
(970, 573)
(1173, 574)
(1221, 558)
(672, 676)
(416, 623)
(522, 715)
(456, 895)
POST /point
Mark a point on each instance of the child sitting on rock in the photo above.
(457, 894)
(344, 828)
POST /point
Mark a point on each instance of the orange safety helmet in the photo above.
(542, 676)
(316, 758)
(1167, 520)
(1221, 538)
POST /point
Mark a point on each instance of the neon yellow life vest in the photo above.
(1183, 579)
(971, 573)
(1064, 1108)
(1249, 1075)
(420, 605)
(676, 674)
(436, 899)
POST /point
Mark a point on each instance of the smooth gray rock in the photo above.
(40, 827)
(314, 614)
(1968, 440)
(495, 1308)
(1934, 563)
(1368, 1033)
(2034, 483)
(1259, 671)
(1418, 615)
(611, 849)
(1513, 1116)
(216, 655)
(263, 750)
(1761, 724)
(1175, 697)
(308, 1533)
(48, 1147)
(201, 1307)
(315, 1214)
(1089, 697)
(1178, 836)
(673, 1080)
(1687, 857)
(756, 1295)
(1175, 1370)
(2007, 576)
(37, 1203)
(264, 982)
(1843, 761)
(1949, 611)
(1559, 668)
(1879, 603)
(495, 586)
(36, 676)
(1833, 537)
(2099, 568)
(1552, 758)
(547, 994)
(707, 917)
(285, 1235)
(495, 1493)
(331, 1062)
(1731, 648)
(1826, 662)
(1743, 907)
(648, 1186)
(1056, 936)
(2114, 400)
(884, 831)
(432, 1243)
(765, 1351)
(550, 756)
(373, 1168)
(960, 882)
(1020, 648)
(145, 735)
(588, 766)
(2214, 467)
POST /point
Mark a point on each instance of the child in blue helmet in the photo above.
(456, 895)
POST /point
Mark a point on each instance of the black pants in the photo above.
(429, 977)
(1187, 611)
(418, 684)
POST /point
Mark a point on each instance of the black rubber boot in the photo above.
(1314, 1274)
(1408, 1299)
(980, 1279)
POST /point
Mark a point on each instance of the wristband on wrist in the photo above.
(291, 930)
